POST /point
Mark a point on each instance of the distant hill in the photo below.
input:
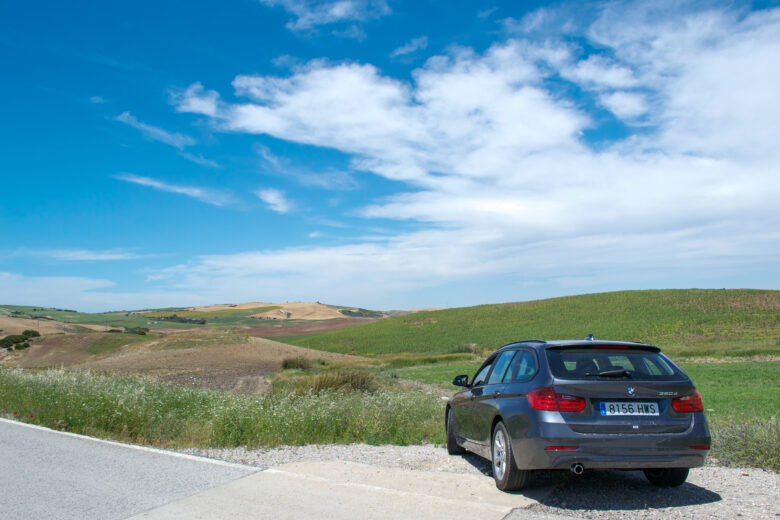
(14, 318)
(691, 321)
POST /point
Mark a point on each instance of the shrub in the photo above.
(753, 442)
(297, 362)
(22, 346)
(12, 340)
(31, 333)
(339, 381)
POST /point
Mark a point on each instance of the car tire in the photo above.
(453, 448)
(666, 477)
(505, 472)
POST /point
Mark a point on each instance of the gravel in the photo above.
(711, 492)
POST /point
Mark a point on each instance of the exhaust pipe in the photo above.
(577, 469)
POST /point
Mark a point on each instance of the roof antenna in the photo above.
(590, 337)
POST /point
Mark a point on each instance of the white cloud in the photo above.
(196, 99)
(413, 45)
(199, 159)
(354, 32)
(501, 177)
(268, 156)
(598, 71)
(89, 294)
(81, 255)
(97, 100)
(625, 105)
(308, 14)
(175, 139)
(155, 133)
(207, 195)
(275, 200)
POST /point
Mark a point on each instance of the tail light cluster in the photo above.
(688, 403)
(549, 399)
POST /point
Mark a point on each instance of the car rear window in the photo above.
(603, 364)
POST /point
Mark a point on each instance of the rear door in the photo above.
(626, 390)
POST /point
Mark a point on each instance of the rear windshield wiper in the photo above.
(611, 373)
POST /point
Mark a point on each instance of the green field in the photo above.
(694, 322)
(110, 342)
(737, 391)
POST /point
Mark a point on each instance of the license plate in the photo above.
(629, 408)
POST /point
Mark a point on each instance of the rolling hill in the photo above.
(687, 322)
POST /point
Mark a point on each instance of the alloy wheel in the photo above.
(499, 454)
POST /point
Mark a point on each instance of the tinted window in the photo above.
(590, 363)
(479, 379)
(500, 367)
(523, 367)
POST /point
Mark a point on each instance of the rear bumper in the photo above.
(616, 451)
(625, 461)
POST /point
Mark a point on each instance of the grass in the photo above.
(111, 342)
(297, 363)
(337, 381)
(742, 403)
(440, 374)
(690, 322)
(753, 443)
(739, 391)
(160, 415)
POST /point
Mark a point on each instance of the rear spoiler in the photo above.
(615, 346)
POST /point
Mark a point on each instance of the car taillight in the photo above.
(688, 403)
(549, 399)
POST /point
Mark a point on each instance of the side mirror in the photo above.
(462, 380)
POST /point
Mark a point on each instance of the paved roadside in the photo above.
(45, 474)
(337, 490)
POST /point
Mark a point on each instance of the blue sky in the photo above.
(385, 154)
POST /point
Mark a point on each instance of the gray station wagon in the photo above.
(578, 405)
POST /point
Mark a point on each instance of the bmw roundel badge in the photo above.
(630, 390)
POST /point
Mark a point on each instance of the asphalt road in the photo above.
(45, 474)
(50, 475)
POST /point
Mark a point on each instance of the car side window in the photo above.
(523, 367)
(479, 379)
(500, 366)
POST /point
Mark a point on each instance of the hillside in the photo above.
(692, 322)
(47, 320)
